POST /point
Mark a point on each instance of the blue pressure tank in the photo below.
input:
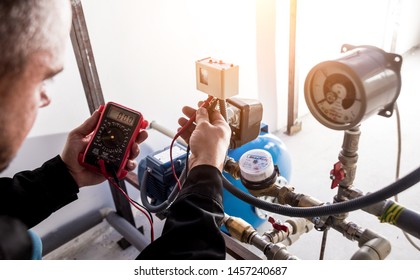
(234, 206)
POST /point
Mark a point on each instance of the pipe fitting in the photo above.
(372, 247)
(299, 225)
(278, 252)
(240, 229)
(232, 167)
(375, 249)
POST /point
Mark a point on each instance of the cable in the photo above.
(326, 210)
(399, 142)
(190, 121)
(164, 205)
(174, 193)
(115, 183)
(136, 205)
(398, 167)
(323, 244)
(186, 161)
(118, 185)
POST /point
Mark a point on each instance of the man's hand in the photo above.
(77, 142)
(208, 139)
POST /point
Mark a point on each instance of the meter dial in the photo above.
(112, 136)
(333, 96)
(256, 165)
(362, 82)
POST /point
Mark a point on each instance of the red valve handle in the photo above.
(337, 174)
(278, 226)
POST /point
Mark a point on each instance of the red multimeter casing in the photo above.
(114, 135)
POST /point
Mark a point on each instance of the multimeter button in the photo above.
(144, 124)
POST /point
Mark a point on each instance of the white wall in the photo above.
(145, 51)
(408, 25)
(323, 26)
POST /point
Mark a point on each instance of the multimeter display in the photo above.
(109, 148)
(121, 116)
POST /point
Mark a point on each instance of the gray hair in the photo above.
(25, 27)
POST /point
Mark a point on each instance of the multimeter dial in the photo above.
(112, 136)
(334, 97)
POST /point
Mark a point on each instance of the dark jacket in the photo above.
(27, 199)
(191, 230)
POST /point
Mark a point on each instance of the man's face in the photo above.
(26, 92)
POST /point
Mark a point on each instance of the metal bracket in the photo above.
(88, 73)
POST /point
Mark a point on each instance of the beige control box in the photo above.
(217, 78)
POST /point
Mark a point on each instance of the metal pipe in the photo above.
(348, 155)
(278, 252)
(56, 238)
(293, 125)
(296, 227)
(372, 247)
(127, 230)
(223, 108)
(244, 232)
(154, 125)
(369, 250)
(387, 211)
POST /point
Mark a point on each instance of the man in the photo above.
(32, 39)
(191, 230)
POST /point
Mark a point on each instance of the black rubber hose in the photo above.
(164, 205)
(409, 221)
(331, 209)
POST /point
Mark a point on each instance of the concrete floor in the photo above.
(314, 150)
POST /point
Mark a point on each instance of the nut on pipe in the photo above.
(240, 229)
(271, 191)
(232, 168)
(279, 252)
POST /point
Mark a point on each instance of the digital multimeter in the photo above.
(110, 145)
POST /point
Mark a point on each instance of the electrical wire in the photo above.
(114, 181)
(164, 205)
(186, 161)
(174, 193)
(118, 185)
(138, 207)
(323, 244)
(398, 166)
(189, 122)
(399, 144)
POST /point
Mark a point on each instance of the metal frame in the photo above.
(88, 73)
(293, 126)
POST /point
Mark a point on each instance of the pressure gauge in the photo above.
(364, 81)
